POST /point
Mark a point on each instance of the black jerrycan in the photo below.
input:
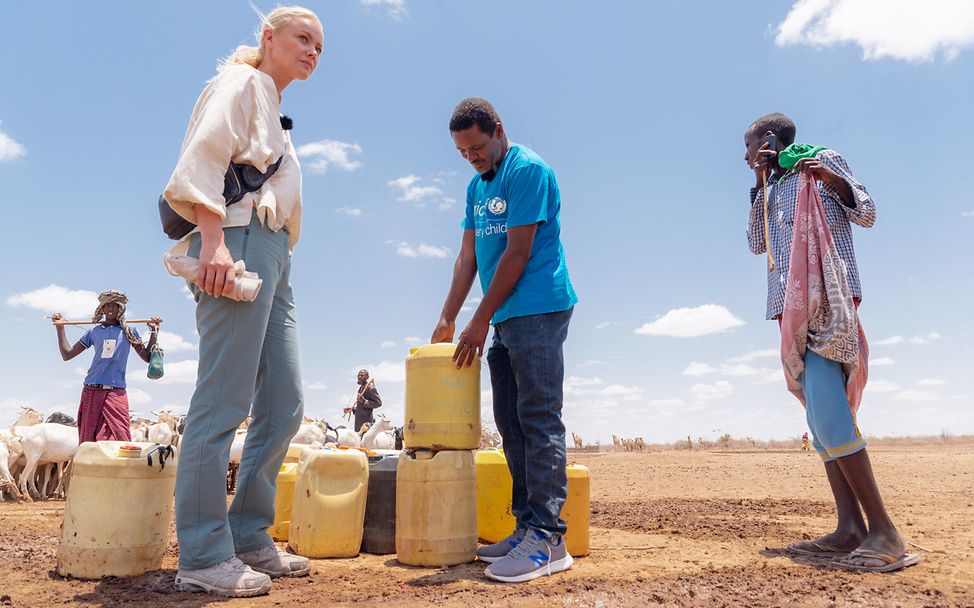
(379, 537)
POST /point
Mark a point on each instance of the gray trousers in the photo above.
(248, 364)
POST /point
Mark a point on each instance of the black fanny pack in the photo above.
(239, 181)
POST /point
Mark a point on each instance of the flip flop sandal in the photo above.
(820, 550)
(892, 564)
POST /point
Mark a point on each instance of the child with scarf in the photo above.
(802, 207)
(103, 413)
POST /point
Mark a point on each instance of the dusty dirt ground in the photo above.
(668, 529)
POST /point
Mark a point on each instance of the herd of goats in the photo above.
(636, 444)
(36, 454)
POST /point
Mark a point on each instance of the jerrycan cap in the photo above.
(129, 451)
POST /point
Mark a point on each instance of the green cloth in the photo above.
(155, 363)
(790, 156)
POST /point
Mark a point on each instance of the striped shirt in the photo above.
(782, 196)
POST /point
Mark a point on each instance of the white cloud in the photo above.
(605, 324)
(54, 298)
(349, 211)
(580, 381)
(591, 363)
(137, 396)
(917, 395)
(413, 340)
(692, 322)
(396, 8)
(388, 344)
(881, 361)
(330, 153)
(665, 402)
(576, 386)
(412, 190)
(186, 292)
(772, 377)
(10, 149)
(718, 390)
(755, 354)
(927, 339)
(628, 393)
(742, 369)
(695, 368)
(888, 341)
(386, 371)
(404, 249)
(470, 304)
(931, 382)
(882, 386)
(317, 386)
(180, 372)
(899, 29)
(967, 214)
(174, 343)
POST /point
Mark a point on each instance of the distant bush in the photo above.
(727, 442)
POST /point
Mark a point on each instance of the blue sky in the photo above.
(640, 109)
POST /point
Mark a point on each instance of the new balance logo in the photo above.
(539, 558)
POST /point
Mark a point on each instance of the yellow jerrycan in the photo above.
(328, 512)
(118, 509)
(283, 501)
(442, 402)
(294, 452)
(436, 508)
(494, 518)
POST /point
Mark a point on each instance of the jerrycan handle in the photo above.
(165, 451)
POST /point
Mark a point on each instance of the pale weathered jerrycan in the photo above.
(329, 503)
(283, 501)
(436, 508)
(118, 509)
(379, 536)
(494, 518)
(442, 402)
(294, 452)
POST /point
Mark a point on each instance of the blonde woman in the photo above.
(248, 360)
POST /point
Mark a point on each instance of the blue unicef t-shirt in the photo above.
(523, 192)
(111, 354)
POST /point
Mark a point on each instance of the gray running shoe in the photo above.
(274, 562)
(492, 553)
(229, 578)
(534, 557)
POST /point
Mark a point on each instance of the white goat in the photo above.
(7, 482)
(29, 417)
(380, 435)
(309, 433)
(161, 433)
(42, 444)
(164, 430)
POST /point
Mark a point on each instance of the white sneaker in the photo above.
(274, 562)
(229, 578)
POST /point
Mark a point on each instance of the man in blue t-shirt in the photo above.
(103, 413)
(511, 238)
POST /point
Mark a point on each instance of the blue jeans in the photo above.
(248, 364)
(527, 369)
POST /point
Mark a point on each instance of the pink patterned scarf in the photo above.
(819, 312)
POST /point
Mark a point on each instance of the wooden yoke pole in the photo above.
(127, 321)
